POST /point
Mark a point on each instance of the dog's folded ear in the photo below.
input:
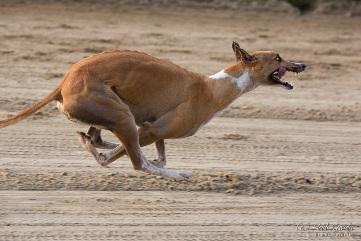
(241, 54)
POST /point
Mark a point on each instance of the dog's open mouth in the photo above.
(276, 77)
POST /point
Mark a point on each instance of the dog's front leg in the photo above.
(97, 140)
(161, 161)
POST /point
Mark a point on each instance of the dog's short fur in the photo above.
(122, 90)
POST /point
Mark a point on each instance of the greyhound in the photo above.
(142, 100)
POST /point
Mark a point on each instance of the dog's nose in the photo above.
(299, 67)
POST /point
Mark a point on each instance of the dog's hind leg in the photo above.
(104, 159)
(114, 115)
(165, 127)
(118, 151)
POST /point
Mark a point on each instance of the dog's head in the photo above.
(267, 67)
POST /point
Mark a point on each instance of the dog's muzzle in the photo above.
(296, 67)
(277, 75)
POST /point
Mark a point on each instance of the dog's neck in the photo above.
(227, 86)
(242, 82)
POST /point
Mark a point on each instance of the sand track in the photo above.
(170, 216)
(275, 157)
(272, 160)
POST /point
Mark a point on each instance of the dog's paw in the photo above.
(185, 174)
(177, 174)
(158, 163)
(102, 160)
(150, 168)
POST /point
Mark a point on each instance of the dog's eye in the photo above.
(278, 58)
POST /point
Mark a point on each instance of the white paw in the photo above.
(158, 163)
(168, 173)
(102, 160)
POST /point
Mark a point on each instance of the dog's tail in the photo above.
(28, 111)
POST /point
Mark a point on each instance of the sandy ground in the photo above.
(273, 161)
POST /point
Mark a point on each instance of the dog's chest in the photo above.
(243, 82)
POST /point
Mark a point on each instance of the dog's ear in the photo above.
(241, 54)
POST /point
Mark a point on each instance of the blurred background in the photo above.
(274, 159)
(348, 7)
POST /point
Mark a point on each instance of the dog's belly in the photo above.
(147, 113)
(146, 108)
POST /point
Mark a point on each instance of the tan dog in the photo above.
(121, 90)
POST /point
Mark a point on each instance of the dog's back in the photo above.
(148, 85)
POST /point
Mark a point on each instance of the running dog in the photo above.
(142, 100)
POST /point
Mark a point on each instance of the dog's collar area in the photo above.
(220, 75)
(243, 82)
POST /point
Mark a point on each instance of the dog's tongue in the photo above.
(281, 72)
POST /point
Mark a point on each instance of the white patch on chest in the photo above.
(243, 82)
(220, 75)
